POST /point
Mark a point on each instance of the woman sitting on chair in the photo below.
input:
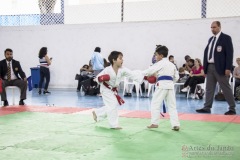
(196, 76)
(84, 75)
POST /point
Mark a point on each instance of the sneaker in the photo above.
(192, 96)
(185, 89)
(39, 92)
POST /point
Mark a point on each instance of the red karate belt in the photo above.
(120, 100)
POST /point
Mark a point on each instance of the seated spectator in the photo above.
(189, 63)
(196, 76)
(85, 74)
(10, 73)
(187, 58)
(236, 75)
(183, 75)
(171, 59)
(90, 68)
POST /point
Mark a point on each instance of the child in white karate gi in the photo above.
(111, 100)
(166, 74)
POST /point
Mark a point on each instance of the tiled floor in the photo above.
(71, 98)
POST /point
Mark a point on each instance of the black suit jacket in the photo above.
(223, 54)
(16, 67)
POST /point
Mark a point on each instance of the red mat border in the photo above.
(129, 114)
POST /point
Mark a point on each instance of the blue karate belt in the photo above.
(165, 78)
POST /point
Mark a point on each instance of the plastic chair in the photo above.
(178, 85)
(13, 88)
(202, 85)
(150, 87)
(137, 86)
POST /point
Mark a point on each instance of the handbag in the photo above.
(220, 97)
(77, 76)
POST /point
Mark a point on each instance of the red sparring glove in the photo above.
(103, 78)
(152, 79)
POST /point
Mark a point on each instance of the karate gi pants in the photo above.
(168, 95)
(110, 110)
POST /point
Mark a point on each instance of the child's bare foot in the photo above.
(176, 128)
(117, 128)
(94, 116)
(152, 126)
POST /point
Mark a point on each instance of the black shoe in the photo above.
(203, 110)
(78, 90)
(21, 102)
(176, 128)
(126, 95)
(46, 92)
(230, 112)
(129, 94)
(39, 92)
(5, 103)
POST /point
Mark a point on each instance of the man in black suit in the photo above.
(10, 70)
(218, 61)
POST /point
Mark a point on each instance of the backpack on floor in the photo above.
(220, 97)
(90, 87)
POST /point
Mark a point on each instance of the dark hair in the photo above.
(163, 50)
(187, 57)
(113, 56)
(85, 66)
(157, 46)
(171, 56)
(42, 52)
(191, 60)
(218, 23)
(8, 50)
(97, 49)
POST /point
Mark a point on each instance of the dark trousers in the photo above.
(81, 78)
(44, 73)
(193, 81)
(237, 83)
(18, 83)
(212, 78)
